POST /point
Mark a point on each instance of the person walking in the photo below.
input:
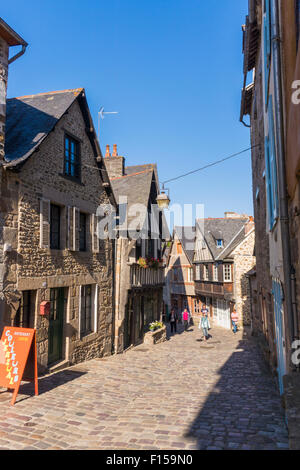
(204, 323)
(185, 318)
(234, 320)
(173, 320)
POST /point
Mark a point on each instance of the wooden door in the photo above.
(56, 322)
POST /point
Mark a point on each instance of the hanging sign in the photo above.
(18, 359)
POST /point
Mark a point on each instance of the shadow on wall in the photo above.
(246, 302)
(243, 408)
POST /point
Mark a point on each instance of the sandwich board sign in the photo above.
(18, 359)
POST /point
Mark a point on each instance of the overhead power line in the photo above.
(210, 164)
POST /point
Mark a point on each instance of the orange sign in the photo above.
(18, 358)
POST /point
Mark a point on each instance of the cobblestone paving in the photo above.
(182, 394)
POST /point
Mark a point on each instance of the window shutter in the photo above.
(70, 227)
(44, 223)
(273, 167)
(267, 47)
(79, 312)
(269, 184)
(94, 235)
(76, 229)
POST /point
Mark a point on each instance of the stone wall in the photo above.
(3, 87)
(244, 261)
(263, 315)
(114, 166)
(30, 267)
(156, 337)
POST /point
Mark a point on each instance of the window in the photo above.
(220, 243)
(54, 227)
(72, 158)
(206, 273)
(86, 310)
(82, 231)
(227, 273)
(190, 275)
(22, 318)
(179, 249)
(138, 249)
(197, 306)
(216, 276)
(198, 274)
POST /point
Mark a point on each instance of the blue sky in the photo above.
(173, 70)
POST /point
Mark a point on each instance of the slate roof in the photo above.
(135, 187)
(129, 170)
(187, 236)
(231, 231)
(29, 120)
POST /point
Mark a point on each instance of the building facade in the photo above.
(180, 272)
(224, 253)
(252, 105)
(139, 267)
(271, 37)
(52, 183)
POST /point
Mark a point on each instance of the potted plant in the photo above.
(156, 325)
(142, 262)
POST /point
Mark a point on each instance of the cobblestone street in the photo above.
(181, 394)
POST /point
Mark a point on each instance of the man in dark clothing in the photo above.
(173, 320)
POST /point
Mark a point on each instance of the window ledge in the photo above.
(89, 337)
(70, 178)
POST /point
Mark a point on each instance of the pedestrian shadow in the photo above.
(243, 409)
(180, 330)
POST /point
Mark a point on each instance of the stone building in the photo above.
(139, 269)
(180, 272)
(224, 253)
(271, 50)
(52, 182)
(252, 105)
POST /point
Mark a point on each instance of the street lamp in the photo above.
(163, 200)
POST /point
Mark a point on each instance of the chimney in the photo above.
(107, 153)
(232, 215)
(114, 163)
(8, 38)
(115, 153)
(249, 225)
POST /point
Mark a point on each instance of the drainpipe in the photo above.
(282, 188)
(16, 56)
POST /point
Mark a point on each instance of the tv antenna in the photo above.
(101, 114)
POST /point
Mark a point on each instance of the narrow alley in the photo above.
(181, 394)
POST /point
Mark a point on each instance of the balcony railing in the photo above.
(214, 288)
(140, 277)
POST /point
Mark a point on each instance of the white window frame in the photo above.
(216, 273)
(198, 272)
(190, 275)
(94, 301)
(227, 267)
(206, 272)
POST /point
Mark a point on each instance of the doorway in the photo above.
(56, 322)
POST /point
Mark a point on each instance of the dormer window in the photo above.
(220, 243)
(72, 158)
